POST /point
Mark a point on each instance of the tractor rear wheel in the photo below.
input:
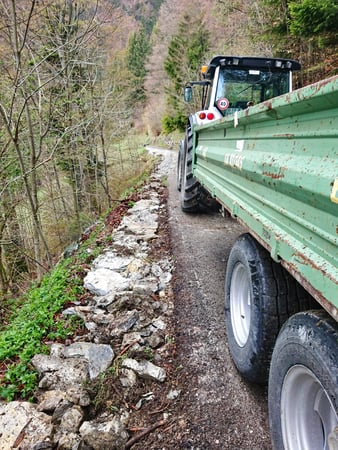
(190, 188)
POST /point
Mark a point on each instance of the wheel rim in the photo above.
(240, 304)
(307, 413)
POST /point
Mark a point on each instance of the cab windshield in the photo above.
(239, 88)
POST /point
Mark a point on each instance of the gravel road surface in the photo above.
(218, 409)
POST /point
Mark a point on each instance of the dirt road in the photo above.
(218, 409)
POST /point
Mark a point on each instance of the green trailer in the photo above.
(272, 163)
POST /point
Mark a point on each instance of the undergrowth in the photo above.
(36, 319)
(35, 324)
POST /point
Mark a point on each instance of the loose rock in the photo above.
(106, 434)
(128, 307)
(145, 369)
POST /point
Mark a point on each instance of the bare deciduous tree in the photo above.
(56, 96)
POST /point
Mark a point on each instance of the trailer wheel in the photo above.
(259, 297)
(190, 188)
(303, 384)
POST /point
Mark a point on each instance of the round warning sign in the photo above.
(223, 103)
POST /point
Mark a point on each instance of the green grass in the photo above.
(33, 324)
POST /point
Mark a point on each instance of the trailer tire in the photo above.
(259, 297)
(303, 384)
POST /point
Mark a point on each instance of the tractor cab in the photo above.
(233, 83)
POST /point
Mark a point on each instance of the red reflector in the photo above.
(202, 115)
(210, 116)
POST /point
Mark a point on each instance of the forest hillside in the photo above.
(85, 84)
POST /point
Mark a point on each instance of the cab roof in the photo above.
(273, 64)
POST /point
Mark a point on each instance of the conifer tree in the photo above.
(138, 51)
(186, 53)
(311, 17)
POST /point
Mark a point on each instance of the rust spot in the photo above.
(324, 82)
(326, 304)
(274, 176)
(286, 135)
(307, 261)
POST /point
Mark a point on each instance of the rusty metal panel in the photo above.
(275, 167)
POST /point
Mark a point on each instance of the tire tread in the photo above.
(277, 296)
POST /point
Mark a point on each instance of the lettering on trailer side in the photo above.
(234, 160)
(203, 149)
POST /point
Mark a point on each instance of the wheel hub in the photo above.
(307, 413)
(240, 304)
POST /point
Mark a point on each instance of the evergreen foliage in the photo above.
(311, 17)
(138, 50)
(306, 30)
(145, 13)
(186, 51)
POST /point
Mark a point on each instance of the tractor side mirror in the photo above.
(187, 94)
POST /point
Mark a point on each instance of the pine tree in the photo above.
(186, 53)
(138, 51)
(311, 17)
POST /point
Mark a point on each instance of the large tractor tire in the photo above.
(188, 186)
(194, 198)
(179, 170)
(260, 295)
(303, 384)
